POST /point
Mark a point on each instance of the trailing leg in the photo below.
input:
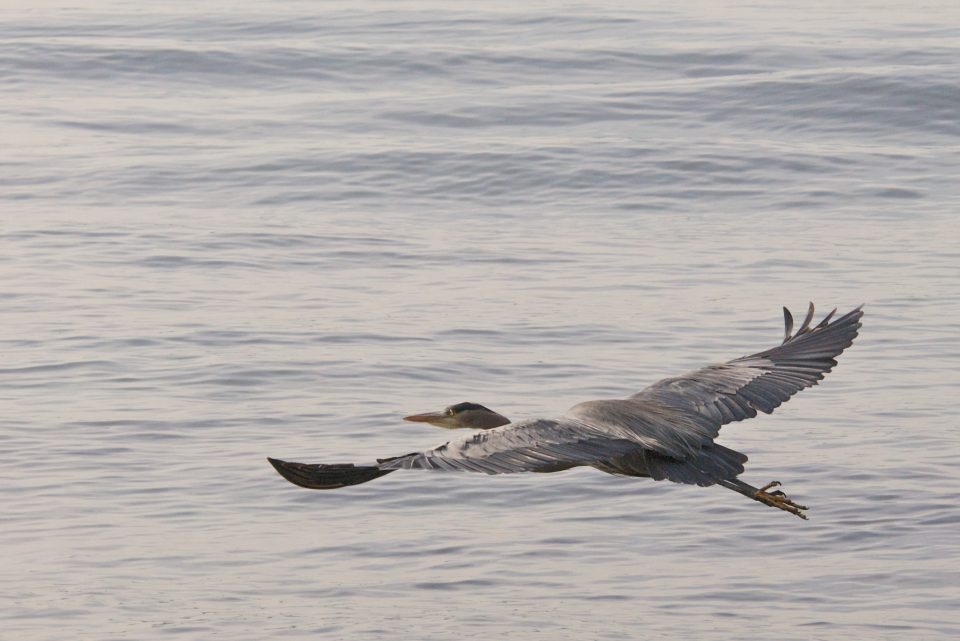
(775, 498)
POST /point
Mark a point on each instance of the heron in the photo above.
(666, 431)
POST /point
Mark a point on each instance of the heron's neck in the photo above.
(490, 421)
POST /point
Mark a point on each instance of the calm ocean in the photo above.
(233, 230)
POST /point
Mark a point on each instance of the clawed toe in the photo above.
(780, 500)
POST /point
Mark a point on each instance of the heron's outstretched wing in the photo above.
(737, 389)
(537, 445)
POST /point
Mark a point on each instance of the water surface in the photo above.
(234, 230)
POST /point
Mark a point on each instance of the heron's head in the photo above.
(462, 415)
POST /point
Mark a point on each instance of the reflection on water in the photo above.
(258, 230)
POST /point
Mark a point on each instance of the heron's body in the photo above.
(665, 431)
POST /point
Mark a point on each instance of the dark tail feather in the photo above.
(316, 476)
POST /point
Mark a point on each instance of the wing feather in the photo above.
(525, 446)
(738, 389)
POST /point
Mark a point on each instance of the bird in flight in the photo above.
(664, 432)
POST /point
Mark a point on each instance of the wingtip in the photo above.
(318, 476)
(282, 467)
(856, 312)
(787, 324)
(805, 326)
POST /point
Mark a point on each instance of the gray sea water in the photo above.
(237, 229)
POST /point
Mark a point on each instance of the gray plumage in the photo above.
(665, 431)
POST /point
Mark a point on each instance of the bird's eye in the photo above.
(450, 411)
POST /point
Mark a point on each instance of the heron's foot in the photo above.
(779, 500)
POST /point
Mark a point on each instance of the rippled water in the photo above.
(233, 230)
